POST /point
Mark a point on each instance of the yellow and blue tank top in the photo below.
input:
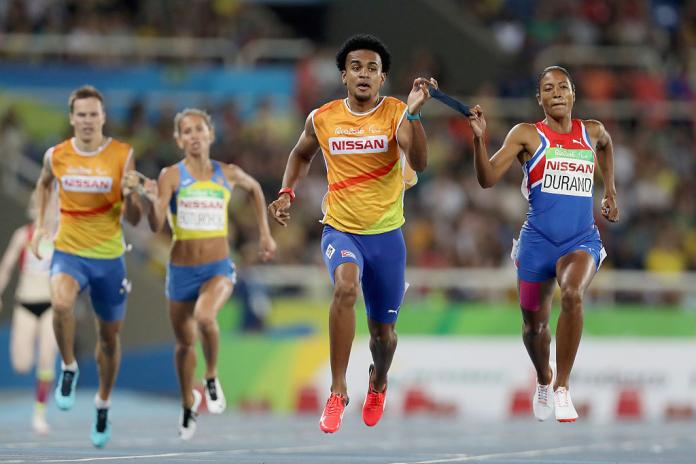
(198, 209)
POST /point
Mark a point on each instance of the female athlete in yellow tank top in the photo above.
(194, 195)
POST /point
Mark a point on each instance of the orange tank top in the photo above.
(365, 167)
(90, 198)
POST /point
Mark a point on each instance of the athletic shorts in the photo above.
(535, 256)
(184, 282)
(106, 279)
(382, 262)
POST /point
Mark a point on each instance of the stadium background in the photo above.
(260, 66)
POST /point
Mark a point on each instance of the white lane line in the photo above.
(140, 456)
(532, 453)
(297, 449)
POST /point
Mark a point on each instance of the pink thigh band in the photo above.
(530, 295)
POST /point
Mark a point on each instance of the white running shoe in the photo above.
(542, 401)
(187, 418)
(214, 396)
(565, 411)
(38, 422)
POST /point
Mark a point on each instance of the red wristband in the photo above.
(289, 191)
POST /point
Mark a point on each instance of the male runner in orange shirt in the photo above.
(368, 142)
(89, 246)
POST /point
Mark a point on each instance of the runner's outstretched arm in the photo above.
(132, 209)
(298, 165)
(605, 159)
(411, 134)
(42, 193)
(236, 175)
(489, 171)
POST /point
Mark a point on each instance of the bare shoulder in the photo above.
(169, 174)
(524, 133)
(22, 231)
(230, 169)
(596, 130)
(592, 125)
(20, 237)
(309, 123)
(524, 127)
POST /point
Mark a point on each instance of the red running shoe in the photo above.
(373, 407)
(333, 413)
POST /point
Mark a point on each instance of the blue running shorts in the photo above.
(106, 279)
(382, 262)
(184, 282)
(535, 256)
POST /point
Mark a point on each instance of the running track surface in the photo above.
(145, 431)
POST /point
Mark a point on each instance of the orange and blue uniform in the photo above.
(89, 244)
(367, 176)
(365, 167)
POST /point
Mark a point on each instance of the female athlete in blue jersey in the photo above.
(559, 241)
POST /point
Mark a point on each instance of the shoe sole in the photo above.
(100, 444)
(326, 430)
(65, 406)
(99, 440)
(566, 420)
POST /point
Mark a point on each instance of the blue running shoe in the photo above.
(65, 390)
(101, 429)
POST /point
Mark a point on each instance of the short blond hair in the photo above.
(86, 91)
(195, 112)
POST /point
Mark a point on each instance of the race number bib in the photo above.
(201, 209)
(568, 172)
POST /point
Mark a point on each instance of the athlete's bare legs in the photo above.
(184, 324)
(342, 323)
(108, 355)
(383, 342)
(64, 291)
(213, 295)
(574, 272)
(536, 333)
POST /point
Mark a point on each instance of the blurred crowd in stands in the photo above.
(451, 221)
(239, 21)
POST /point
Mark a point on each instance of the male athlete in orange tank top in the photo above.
(369, 143)
(87, 169)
